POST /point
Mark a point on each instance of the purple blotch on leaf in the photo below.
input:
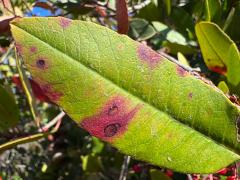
(64, 22)
(148, 56)
(111, 129)
(41, 63)
(181, 72)
(111, 120)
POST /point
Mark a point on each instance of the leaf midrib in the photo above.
(132, 94)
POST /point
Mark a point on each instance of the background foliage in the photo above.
(168, 26)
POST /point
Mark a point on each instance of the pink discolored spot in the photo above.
(33, 49)
(181, 72)
(52, 94)
(19, 48)
(112, 120)
(64, 22)
(149, 56)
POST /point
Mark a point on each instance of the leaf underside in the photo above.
(124, 93)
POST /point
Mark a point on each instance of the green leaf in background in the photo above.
(140, 29)
(170, 34)
(168, 6)
(151, 12)
(182, 59)
(8, 110)
(124, 93)
(158, 175)
(212, 10)
(233, 21)
(223, 86)
(220, 53)
(181, 21)
(174, 48)
(176, 42)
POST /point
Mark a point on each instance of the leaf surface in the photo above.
(123, 92)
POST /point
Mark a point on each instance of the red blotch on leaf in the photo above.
(112, 120)
(149, 56)
(37, 91)
(219, 70)
(48, 90)
(181, 72)
(19, 48)
(64, 22)
(33, 49)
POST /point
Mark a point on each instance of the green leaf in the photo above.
(220, 53)
(170, 34)
(223, 86)
(140, 29)
(176, 42)
(212, 10)
(124, 93)
(182, 59)
(151, 12)
(174, 48)
(181, 20)
(8, 110)
(168, 5)
(91, 163)
(156, 175)
(232, 23)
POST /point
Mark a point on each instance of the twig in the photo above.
(27, 89)
(7, 8)
(189, 177)
(237, 164)
(28, 8)
(175, 61)
(34, 137)
(4, 56)
(124, 169)
(57, 120)
(139, 6)
(23, 140)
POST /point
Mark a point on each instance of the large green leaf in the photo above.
(124, 93)
(220, 53)
(8, 110)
